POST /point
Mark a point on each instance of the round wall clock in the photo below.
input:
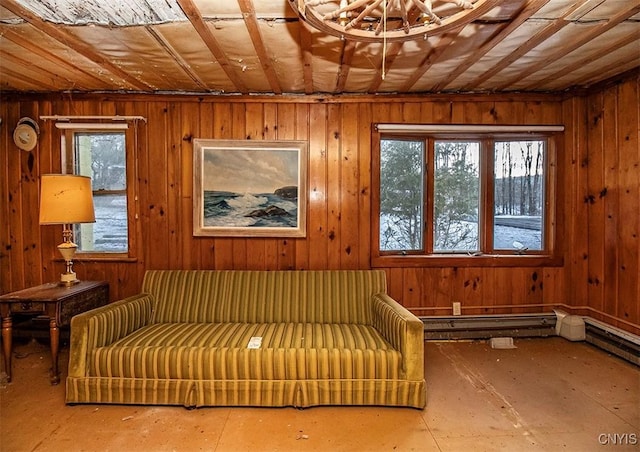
(25, 136)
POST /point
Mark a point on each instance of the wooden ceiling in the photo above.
(263, 47)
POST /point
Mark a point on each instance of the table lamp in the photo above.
(66, 199)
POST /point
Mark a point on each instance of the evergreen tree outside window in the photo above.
(464, 196)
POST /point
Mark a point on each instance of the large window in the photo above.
(472, 198)
(101, 154)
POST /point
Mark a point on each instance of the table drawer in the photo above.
(27, 307)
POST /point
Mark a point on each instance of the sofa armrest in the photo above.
(105, 325)
(403, 330)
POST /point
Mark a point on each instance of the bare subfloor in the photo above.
(546, 394)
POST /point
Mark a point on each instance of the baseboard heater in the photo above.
(489, 326)
(613, 340)
(576, 328)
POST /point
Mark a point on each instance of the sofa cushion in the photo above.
(219, 351)
(219, 296)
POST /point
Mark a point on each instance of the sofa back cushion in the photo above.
(334, 296)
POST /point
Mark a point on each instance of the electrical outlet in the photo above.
(457, 310)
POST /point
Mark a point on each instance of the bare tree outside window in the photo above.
(519, 195)
(102, 156)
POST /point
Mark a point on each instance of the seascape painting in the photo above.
(249, 188)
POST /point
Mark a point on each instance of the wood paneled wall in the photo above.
(599, 187)
(603, 265)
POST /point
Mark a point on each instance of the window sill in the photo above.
(101, 257)
(456, 260)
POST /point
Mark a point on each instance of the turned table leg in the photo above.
(54, 334)
(7, 325)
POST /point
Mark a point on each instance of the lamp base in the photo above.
(68, 279)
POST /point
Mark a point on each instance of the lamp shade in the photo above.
(66, 199)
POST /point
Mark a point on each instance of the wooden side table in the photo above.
(57, 302)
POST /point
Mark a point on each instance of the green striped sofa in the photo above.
(325, 338)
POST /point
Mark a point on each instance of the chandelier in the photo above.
(389, 20)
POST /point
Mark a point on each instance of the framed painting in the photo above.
(249, 188)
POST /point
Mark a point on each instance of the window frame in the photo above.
(68, 154)
(550, 255)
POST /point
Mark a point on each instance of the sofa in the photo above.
(250, 338)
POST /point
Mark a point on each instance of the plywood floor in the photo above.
(546, 394)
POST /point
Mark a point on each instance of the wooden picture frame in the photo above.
(249, 188)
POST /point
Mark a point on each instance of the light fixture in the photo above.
(389, 20)
(66, 199)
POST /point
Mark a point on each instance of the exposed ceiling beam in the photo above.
(346, 56)
(625, 41)
(392, 52)
(307, 57)
(23, 78)
(531, 7)
(431, 57)
(48, 56)
(192, 12)
(249, 15)
(53, 81)
(574, 42)
(71, 41)
(160, 39)
(555, 26)
(617, 67)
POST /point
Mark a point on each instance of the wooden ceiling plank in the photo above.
(529, 9)
(56, 60)
(573, 43)
(192, 12)
(392, 53)
(186, 67)
(73, 43)
(41, 73)
(431, 58)
(25, 78)
(633, 37)
(346, 56)
(249, 15)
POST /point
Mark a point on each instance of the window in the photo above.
(473, 198)
(101, 155)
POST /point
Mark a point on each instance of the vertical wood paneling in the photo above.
(255, 254)
(317, 220)
(285, 129)
(349, 207)
(269, 132)
(302, 133)
(602, 278)
(594, 198)
(15, 218)
(206, 245)
(611, 197)
(363, 158)
(599, 192)
(223, 119)
(173, 212)
(334, 185)
(189, 129)
(578, 245)
(628, 299)
(6, 267)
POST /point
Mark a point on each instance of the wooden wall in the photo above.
(603, 265)
(599, 186)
